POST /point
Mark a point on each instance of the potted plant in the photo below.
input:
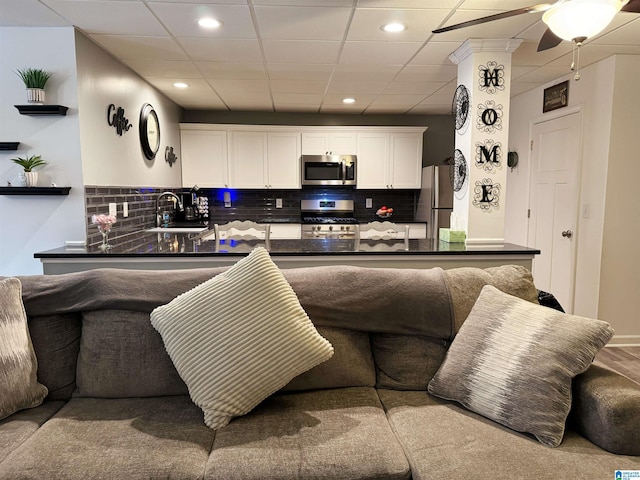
(28, 164)
(34, 80)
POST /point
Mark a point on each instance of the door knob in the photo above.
(567, 234)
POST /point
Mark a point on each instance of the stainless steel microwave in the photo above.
(329, 169)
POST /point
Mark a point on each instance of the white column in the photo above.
(484, 68)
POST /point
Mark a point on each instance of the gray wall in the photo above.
(438, 139)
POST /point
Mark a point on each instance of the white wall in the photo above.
(109, 159)
(34, 223)
(607, 267)
(81, 148)
(620, 276)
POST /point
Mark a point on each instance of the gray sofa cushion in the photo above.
(464, 285)
(14, 430)
(56, 341)
(351, 365)
(121, 355)
(133, 439)
(406, 362)
(326, 434)
(443, 440)
(606, 409)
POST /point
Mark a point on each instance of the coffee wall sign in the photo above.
(556, 97)
(117, 120)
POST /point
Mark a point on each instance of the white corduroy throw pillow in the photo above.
(239, 337)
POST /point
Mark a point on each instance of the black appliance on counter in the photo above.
(327, 218)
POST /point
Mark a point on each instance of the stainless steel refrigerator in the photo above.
(435, 203)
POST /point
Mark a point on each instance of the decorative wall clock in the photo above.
(149, 131)
(461, 106)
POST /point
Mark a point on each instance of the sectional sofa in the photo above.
(122, 392)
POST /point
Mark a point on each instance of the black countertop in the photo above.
(146, 244)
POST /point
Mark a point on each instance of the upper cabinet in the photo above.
(264, 159)
(204, 158)
(389, 160)
(329, 142)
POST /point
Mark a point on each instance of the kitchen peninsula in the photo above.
(152, 251)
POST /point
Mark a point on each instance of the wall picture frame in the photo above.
(556, 96)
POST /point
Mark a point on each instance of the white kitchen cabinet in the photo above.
(204, 158)
(324, 143)
(286, 231)
(264, 159)
(283, 160)
(389, 160)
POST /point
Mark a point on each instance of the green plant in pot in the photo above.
(29, 164)
(34, 80)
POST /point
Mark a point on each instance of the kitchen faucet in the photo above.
(179, 206)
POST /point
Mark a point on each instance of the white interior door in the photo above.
(555, 165)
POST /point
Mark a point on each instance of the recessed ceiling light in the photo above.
(393, 27)
(209, 22)
(348, 100)
(180, 85)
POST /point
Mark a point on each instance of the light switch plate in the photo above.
(125, 209)
(113, 209)
(369, 203)
(278, 203)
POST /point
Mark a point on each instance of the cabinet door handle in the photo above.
(567, 234)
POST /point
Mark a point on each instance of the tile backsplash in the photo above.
(245, 205)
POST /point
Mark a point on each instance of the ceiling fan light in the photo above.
(581, 18)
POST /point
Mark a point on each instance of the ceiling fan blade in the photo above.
(541, 7)
(632, 6)
(548, 40)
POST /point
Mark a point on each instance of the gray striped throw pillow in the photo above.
(513, 361)
(19, 387)
(239, 337)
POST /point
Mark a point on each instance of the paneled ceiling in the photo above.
(307, 55)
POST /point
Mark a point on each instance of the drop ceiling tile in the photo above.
(298, 86)
(418, 4)
(527, 54)
(343, 109)
(419, 88)
(365, 73)
(438, 99)
(109, 17)
(500, 5)
(378, 53)
(592, 53)
(29, 13)
(292, 107)
(299, 98)
(251, 101)
(302, 23)
(435, 53)
(181, 20)
(144, 48)
(350, 87)
(517, 71)
(432, 73)
(429, 110)
(233, 70)
(228, 2)
(622, 31)
(366, 24)
(449, 88)
(163, 68)
(300, 71)
(234, 86)
(545, 74)
(305, 3)
(305, 51)
(398, 99)
(221, 49)
(400, 108)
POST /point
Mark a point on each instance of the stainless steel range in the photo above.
(328, 218)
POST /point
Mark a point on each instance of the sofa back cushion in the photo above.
(406, 362)
(121, 355)
(56, 341)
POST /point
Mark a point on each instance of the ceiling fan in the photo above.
(571, 20)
